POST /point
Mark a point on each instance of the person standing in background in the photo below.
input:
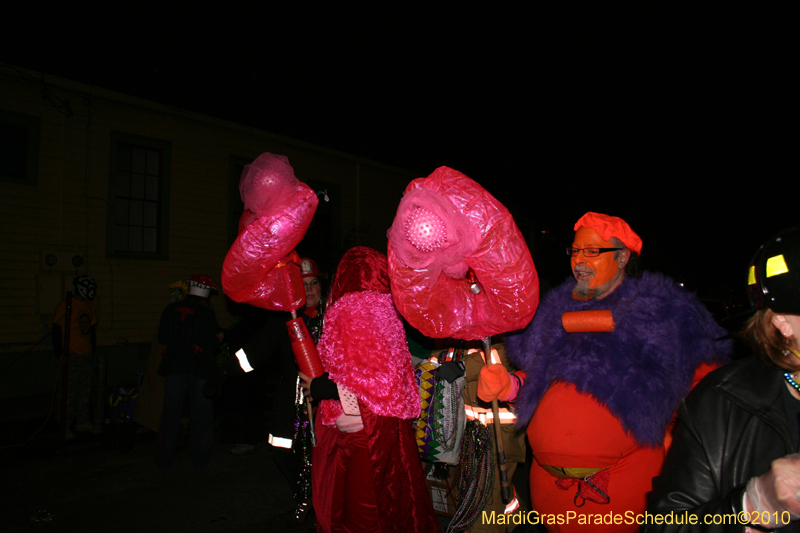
(189, 329)
(269, 352)
(77, 352)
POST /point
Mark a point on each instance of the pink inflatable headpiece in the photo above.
(261, 267)
(459, 265)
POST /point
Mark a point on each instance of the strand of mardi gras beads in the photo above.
(302, 438)
(791, 381)
(477, 476)
(447, 414)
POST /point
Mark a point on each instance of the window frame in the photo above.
(32, 124)
(162, 225)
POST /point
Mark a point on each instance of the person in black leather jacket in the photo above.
(734, 457)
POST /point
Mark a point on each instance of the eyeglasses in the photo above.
(307, 284)
(589, 252)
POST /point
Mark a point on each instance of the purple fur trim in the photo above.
(639, 372)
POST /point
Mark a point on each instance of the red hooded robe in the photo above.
(370, 480)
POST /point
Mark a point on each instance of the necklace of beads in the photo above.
(477, 475)
(315, 324)
(447, 413)
(302, 440)
(791, 379)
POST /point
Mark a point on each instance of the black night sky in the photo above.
(681, 123)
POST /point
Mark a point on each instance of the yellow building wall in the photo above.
(65, 212)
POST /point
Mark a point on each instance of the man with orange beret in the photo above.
(608, 357)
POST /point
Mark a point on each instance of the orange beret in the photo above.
(608, 226)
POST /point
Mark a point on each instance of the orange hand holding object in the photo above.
(579, 321)
(494, 382)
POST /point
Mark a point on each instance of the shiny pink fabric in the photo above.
(278, 211)
(361, 269)
(347, 482)
(353, 506)
(363, 347)
(444, 224)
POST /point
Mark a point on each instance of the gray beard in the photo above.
(583, 291)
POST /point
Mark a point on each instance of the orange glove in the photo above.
(494, 382)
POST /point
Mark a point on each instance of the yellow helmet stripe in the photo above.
(776, 265)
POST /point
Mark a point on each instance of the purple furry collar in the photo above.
(639, 372)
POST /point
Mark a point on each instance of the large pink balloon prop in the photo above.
(261, 267)
(459, 265)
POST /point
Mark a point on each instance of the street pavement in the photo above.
(92, 483)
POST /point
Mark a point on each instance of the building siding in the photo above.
(66, 211)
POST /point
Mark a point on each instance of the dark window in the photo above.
(19, 147)
(138, 197)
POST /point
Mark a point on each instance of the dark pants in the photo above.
(243, 401)
(201, 420)
(79, 389)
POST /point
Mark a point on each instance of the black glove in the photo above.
(450, 371)
(213, 387)
(322, 388)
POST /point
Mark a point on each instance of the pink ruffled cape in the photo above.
(363, 347)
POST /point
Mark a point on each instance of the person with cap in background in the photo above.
(78, 355)
(267, 353)
(315, 304)
(267, 342)
(189, 330)
(736, 445)
(608, 358)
